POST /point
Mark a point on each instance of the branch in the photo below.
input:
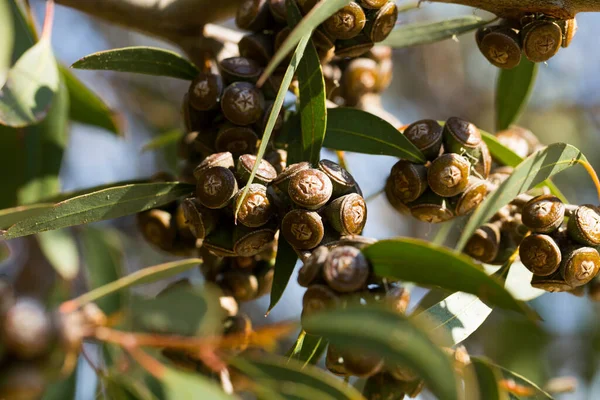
(563, 9)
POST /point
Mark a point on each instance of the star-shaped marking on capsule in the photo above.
(451, 176)
(498, 55)
(244, 102)
(212, 185)
(201, 89)
(311, 185)
(301, 232)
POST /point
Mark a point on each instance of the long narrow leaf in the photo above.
(513, 89)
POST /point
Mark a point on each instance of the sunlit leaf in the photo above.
(179, 385)
(308, 348)
(7, 33)
(10, 216)
(163, 140)
(60, 249)
(513, 89)
(141, 60)
(488, 379)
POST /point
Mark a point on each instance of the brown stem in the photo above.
(564, 9)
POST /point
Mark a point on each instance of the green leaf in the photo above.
(63, 389)
(179, 385)
(60, 249)
(141, 277)
(431, 32)
(386, 333)
(271, 368)
(183, 311)
(351, 129)
(534, 170)
(7, 33)
(277, 104)
(141, 60)
(488, 379)
(163, 140)
(124, 387)
(460, 313)
(308, 348)
(320, 12)
(513, 90)
(11, 216)
(103, 254)
(423, 263)
(30, 87)
(101, 205)
(313, 108)
(518, 283)
(285, 263)
(87, 108)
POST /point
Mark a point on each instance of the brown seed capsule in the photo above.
(224, 160)
(540, 254)
(393, 200)
(347, 214)
(186, 149)
(384, 75)
(431, 208)
(205, 91)
(312, 267)
(262, 124)
(321, 40)
(236, 140)
(242, 103)
(303, 229)
(220, 241)
(216, 187)
(408, 181)
(282, 182)
(543, 214)
(448, 175)
(553, 283)
(280, 38)
(383, 386)
(310, 189)
(499, 175)
(359, 77)
(360, 363)
(541, 40)
(240, 326)
(204, 143)
(472, 196)
(484, 244)
(355, 47)
(343, 182)
(403, 373)
(242, 284)
(580, 266)
(234, 69)
(253, 15)
(346, 23)
(256, 209)
(584, 225)
(257, 47)
(27, 330)
(250, 242)
(426, 135)
(334, 361)
(278, 159)
(382, 23)
(397, 298)
(569, 28)
(502, 47)
(22, 381)
(461, 135)
(158, 228)
(318, 298)
(307, 5)
(373, 4)
(346, 269)
(483, 165)
(264, 174)
(278, 11)
(515, 139)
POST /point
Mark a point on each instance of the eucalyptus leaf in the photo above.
(518, 283)
(87, 108)
(163, 140)
(60, 249)
(7, 33)
(312, 107)
(320, 12)
(383, 332)
(30, 87)
(534, 170)
(418, 261)
(513, 89)
(272, 368)
(179, 385)
(308, 348)
(62, 389)
(488, 379)
(101, 205)
(285, 262)
(141, 60)
(350, 129)
(10, 216)
(430, 32)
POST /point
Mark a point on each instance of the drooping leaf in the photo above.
(60, 249)
(351, 129)
(87, 108)
(141, 60)
(313, 110)
(272, 368)
(423, 263)
(10, 216)
(141, 277)
(430, 32)
(518, 283)
(534, 170)
(308, 348)
(62, 389)
(165, 139)
(285, 262)
(513, 90)
(319, 13)
(30, 87)
(7, 33)
(386, 333)
(103, 255)
(118, 386)
(488, 379)
(101, 205)
(179, 385)
(278, 103)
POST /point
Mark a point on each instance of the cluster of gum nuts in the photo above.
(38, 345)
(453, 181)
(536, 36)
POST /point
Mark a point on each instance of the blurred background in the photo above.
(437, 81)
